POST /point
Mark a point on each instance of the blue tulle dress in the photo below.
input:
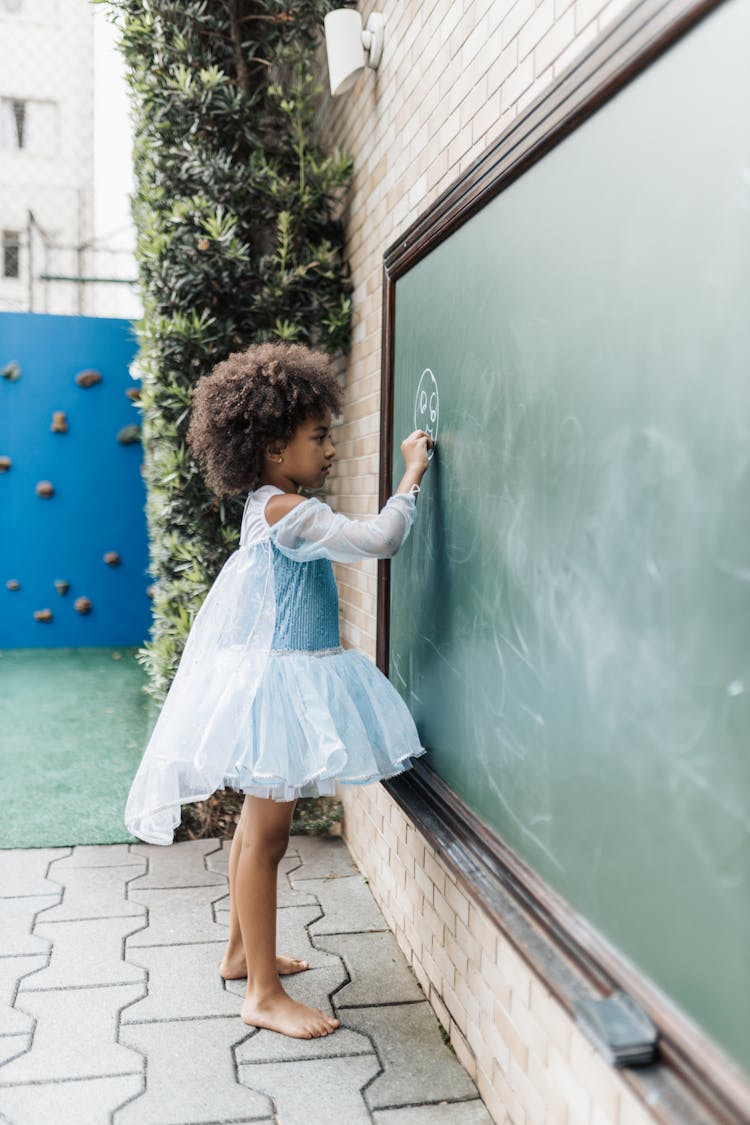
(265, 699)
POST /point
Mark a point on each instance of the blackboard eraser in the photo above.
(618, 1029)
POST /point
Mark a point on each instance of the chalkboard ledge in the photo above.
(691, 1081)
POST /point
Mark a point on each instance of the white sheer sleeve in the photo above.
(312, 530)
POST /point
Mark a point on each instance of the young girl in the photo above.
(265, 699)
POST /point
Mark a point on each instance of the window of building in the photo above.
(28, 125)
(11, 253)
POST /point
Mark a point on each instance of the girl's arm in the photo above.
(309, 529)
(312, 530)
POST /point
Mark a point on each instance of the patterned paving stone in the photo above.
(323, 857)
(18, 921)
(286, 894)
(99, 855)
(93, 892)
(12, 969)
(11, 1046)
(267, 1047)
(168, 908)
(74, 1036)
(321, 1090)
(347, 905)
(293, 934)
(219, 861)
(377, 967)
(183, 983)
(190, 1076)
(312, 987)
(444, 1113)
(23, 871)
(418, 1067)
(87, 1102)
(176, 915)
(85, 953)
(291, 893)
(180, 865)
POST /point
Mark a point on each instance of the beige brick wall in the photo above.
(452, 77)
(531, 1064)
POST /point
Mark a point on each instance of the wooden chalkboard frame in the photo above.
(693, 1080)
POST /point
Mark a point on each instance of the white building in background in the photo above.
(65, 162)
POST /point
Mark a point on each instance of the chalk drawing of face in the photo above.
(427, 407)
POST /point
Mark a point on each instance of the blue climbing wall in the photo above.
(99, 499)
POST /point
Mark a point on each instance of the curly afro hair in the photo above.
(254, 400)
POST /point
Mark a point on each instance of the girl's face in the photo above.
(306, 459)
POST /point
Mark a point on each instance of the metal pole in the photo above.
(79, 252)
(30, 254)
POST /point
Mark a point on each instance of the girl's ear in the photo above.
(273, 453)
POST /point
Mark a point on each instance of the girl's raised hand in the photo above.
(414, 450)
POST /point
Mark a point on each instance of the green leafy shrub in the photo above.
(239, 240)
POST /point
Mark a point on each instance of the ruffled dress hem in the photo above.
(265, 700)
(320, 784)
(169, 817)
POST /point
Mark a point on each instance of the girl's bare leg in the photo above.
(264, 841)
(233, 966)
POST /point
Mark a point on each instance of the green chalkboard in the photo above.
(570, 617)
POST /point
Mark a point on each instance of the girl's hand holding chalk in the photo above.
(414, 451)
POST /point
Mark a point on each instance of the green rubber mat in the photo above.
(73, 725)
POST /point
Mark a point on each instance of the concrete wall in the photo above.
(453, 77)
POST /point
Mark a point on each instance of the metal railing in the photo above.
(65, 163)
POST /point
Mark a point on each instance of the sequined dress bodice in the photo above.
(307, 605)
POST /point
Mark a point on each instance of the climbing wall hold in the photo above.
(88, 378)
(5, 464)
(112, 558)
(129, 435)
(150, 591)
(11, 371)
(45, 488)
(133, 393)
(82, 605)
(62, 586)
(59, 422)
(13, 584)
(42, 614)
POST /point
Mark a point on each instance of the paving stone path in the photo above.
(112, 1009)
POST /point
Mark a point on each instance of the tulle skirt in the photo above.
(321, 719)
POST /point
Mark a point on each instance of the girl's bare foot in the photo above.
(287, 965)
(234, 967)
(281, 1013)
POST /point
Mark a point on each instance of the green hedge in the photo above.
(239, 240)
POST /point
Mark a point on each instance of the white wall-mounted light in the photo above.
(349, 47)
